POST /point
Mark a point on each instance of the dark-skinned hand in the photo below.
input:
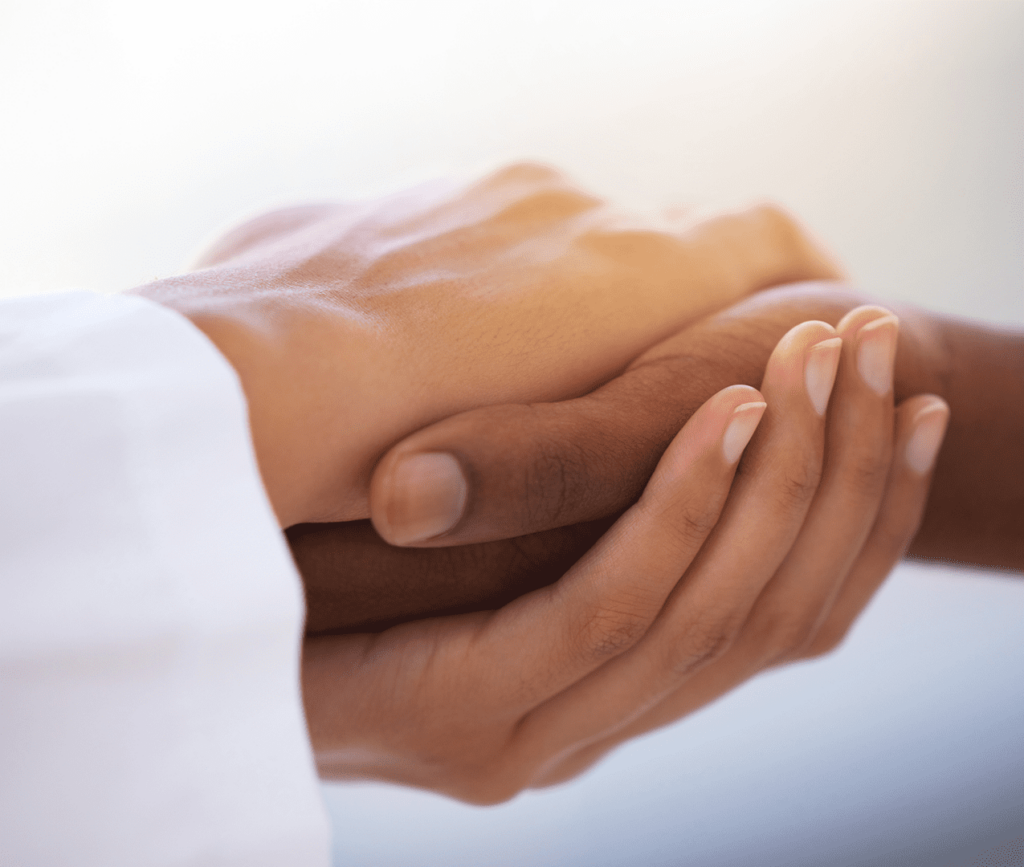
(546, 480)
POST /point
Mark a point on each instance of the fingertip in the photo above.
(723, 426)
(417, 496)
(871, 333)
(805, 334)
(731, 398)
(745, 419)
(787, 358)
(927, 429)
(820, 368)
(860, 316)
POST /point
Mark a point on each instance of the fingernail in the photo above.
(929, 429)
(820, 371)
(426, 497)
(745, 419)
(876, 353)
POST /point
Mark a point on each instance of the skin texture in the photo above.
(352, 326)
(574, 465)
(705, 580)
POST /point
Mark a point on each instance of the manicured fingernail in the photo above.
(929, 429)
(426, 497)
(876, 353)
(745, 419)
(820, 371)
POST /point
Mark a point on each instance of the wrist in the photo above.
(255, 353)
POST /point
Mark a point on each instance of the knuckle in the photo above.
(783, 635)
(687, 526)
(789, 252)
(891, 538)
(531, 192)
(702, 642)
(570, 766)
(524, 171)
(793, 641)
(489, 790)
(551, 484)
(546, 203)
(484, 777)
(778, 225)
(825, 641)
(609, 630)
(797, 485)
(775, 216)
(864, 474)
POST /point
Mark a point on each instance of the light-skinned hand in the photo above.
(353, 325)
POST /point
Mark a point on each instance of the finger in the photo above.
(355, 582)
(920, 427)
(695, 690)
(605, 603)
(859, 453)
(765, 512)
(506, 471)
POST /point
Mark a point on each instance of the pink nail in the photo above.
(425, 497)
(876, 353)
(745, 419)
(820, 371)
(925, 441)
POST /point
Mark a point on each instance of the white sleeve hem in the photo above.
(151, 622)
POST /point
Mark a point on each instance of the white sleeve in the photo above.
(150, 612)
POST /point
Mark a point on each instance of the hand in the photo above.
(556, 464)
(351, 326)
(548, 479)
(533, 467)
(860, 522)
(693, 588)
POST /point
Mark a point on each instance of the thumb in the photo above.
(506, 471)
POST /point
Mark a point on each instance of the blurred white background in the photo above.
(132, 131)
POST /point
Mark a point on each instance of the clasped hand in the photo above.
(354, 327)
(706, 580)
(351, 326)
